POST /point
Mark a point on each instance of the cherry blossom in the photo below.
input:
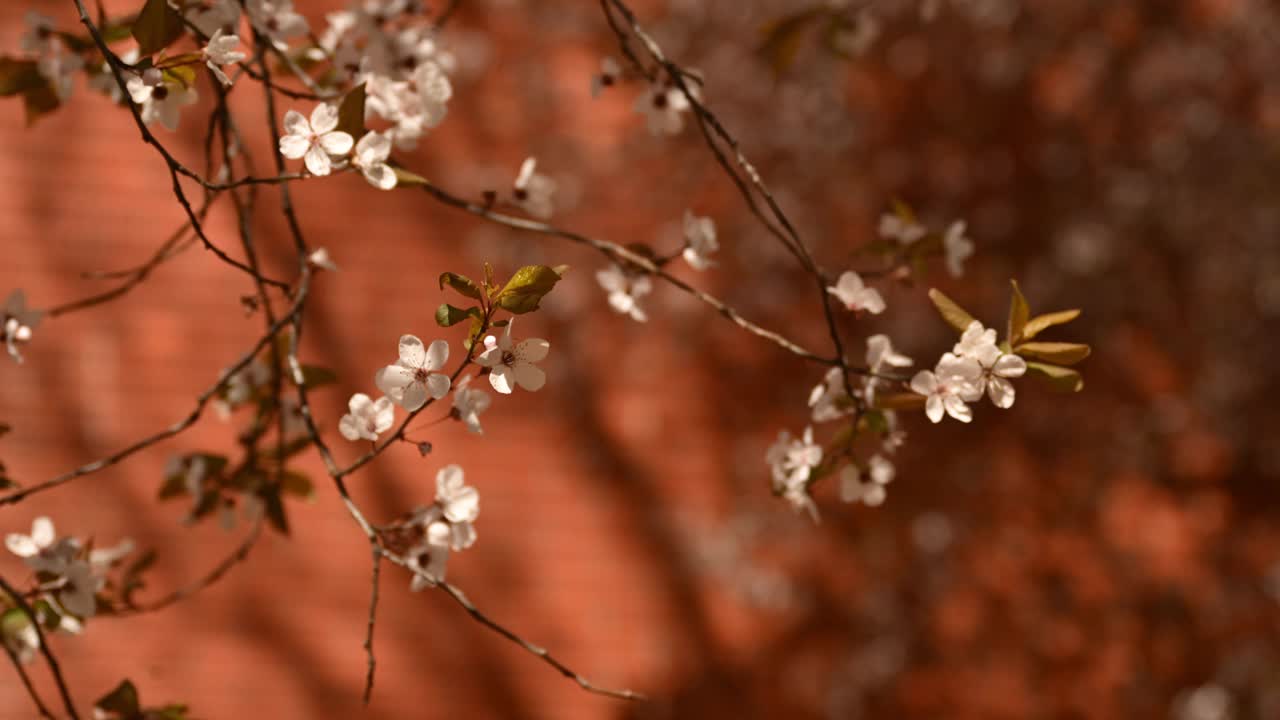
(979, 344)
(871, 491)
(700, 241)
(532, 191)
(220, 15)
(447, 526)
(610, 71)
(79, 586)
(370, 156)
(947, 386)
(856, 296)
(957, 248)
(19, 322)
(220, 51)
(277, 20)
(316, 140)
(905, 230)
(512, 364)
(625, 291)
(410, 380)
(162, 98)
(829, 400)
(39, 542)
(468, 403)
(663, 107)
(791, 461)
(367, 417)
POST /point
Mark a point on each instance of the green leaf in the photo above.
(448, 315)
(463, 284)
(351, 112)
(526, 288)
(488, 277)
(955, 315)
(1059, 378)
(297, 484)
(12, 622)
(1019, 311)
(122, 701)
(1040, 323)
(157, 27)
(1061, 353)
(314, 376)
(404, 178)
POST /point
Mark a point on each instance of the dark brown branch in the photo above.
(52, 661)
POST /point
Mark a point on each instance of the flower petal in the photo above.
(349, 426)
(1010, 366)
(324, 118)
(393, 378)
(1001, 392)
(412, 353)
(500, 379)
(296, 124)
(42, 531)
(380, 175)
(317, 161)
(437, 355)
(438, 385)
(529, 376)
(21, 545)
(414, 396)
(336, 143)
(533, 349)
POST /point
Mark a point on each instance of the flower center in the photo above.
(660, 100)
(160, 93)
(420, 375)
(508, 358)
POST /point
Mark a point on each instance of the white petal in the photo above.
(414, 396)
(393, 378)
(533, 349)
(1010, 366)
(438, 385)
(924, 383)
(21, 545)
(296, 124)
(294, 146)
(360, 405)
(317, 161)
(373, 148)
(384, 414)
(437, 355)
(336, 143)
(1000, 391)
(380, 175)
(463, 506)
(350, 427)
(957, 409)
(529, 376)
(500, 379)
(851, 487)
(934, 409)
(324, 118)
(412, 353)
(42, 531)
(869, 299)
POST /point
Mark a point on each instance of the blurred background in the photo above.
(1109, 554)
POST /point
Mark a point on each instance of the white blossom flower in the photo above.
(38, 542)
(947, 386)
(957, 248)
(468, 403)
(220, 51)
(896, 227)
(429, 560)
(219, 15)
(277, 20)
(459, 502)
(699, 241)
(103, 559)
(367, 417)
(103, 80)
(979, 344)
(512, 364)
(533, 191)
(608, 76)
(826, 398)
(663, 107)
(872, 491)
(371, 157)
(316, 140)
(855, 295)
(17, 322)
(880, 353)
(625, 291)
(411, 379)
(320, 258)
(791, 461)
(39, 36)
(162, 98)
(434, 91)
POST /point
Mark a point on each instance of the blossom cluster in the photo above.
(69, 575)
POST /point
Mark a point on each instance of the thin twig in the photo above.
(239, 555)
(52, 661)
(376, 575)
(26, 682)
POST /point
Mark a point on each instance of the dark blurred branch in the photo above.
(375, 577)
(54, 669)
(26, 683)
(239, 555)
